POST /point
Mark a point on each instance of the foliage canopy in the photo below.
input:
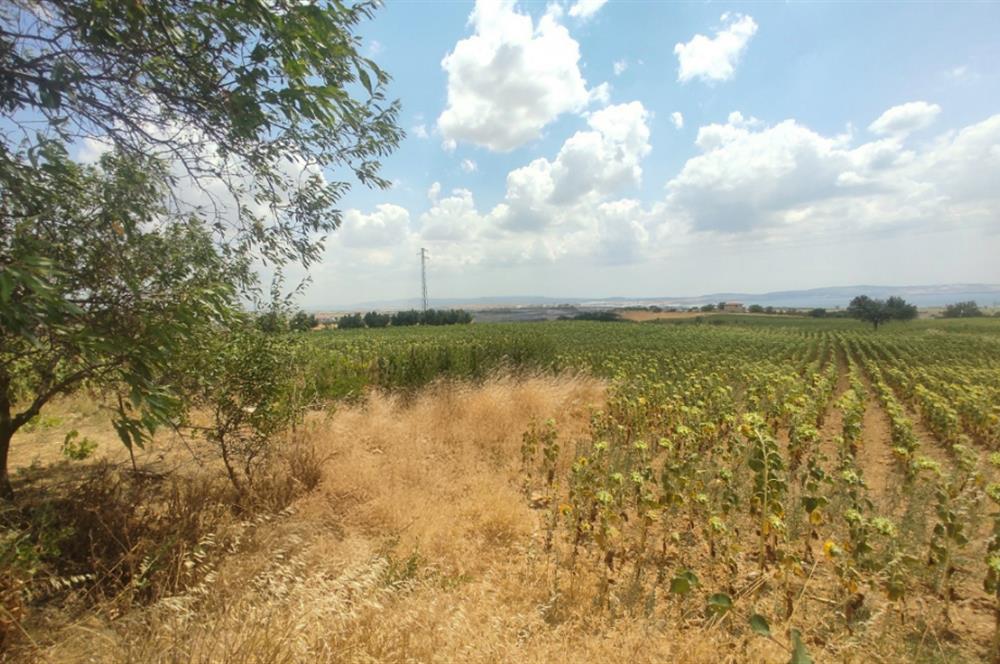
(967, 309)
(211, 137)
(877, 312)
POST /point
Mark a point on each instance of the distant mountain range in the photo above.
(829, 297)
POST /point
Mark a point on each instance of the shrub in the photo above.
(249, 385)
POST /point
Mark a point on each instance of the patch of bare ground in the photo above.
(833, 422)
(875, 454)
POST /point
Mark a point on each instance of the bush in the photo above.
(249, 384)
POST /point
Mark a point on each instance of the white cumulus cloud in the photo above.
(678, 119)
(715, 58)
(906, 118)
(785, 177)
(385, 226)
(753, 189)
(584, 9)
(511, 78)
(620, 66)
(597, 162)
(468, 165)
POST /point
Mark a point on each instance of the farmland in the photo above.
(760, 487)
(814, 475)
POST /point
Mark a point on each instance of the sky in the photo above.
(592, 148)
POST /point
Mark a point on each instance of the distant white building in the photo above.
(733, 307)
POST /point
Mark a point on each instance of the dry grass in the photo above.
(417, 545)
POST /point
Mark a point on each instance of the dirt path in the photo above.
(833, 422)
(875, 456)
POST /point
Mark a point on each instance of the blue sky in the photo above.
(816, 144)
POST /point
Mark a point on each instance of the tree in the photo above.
(404, 318)
(708, 307)
(963, 310)
(755, 309)
(229, 131)
(302, 321)
(272, 321)
(818, 312)
(350, 321)
(877, 312)
(900, 309)
(376, 319)
(97, 286)
(253, 99)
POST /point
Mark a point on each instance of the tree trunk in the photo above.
(7, 429)
(6, 433)
(9, 424)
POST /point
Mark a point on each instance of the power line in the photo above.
(423, 274)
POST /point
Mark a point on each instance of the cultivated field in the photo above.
(735, 489)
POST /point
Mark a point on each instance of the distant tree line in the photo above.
(967, 309)
(274, 321)
(603, 316)
(405, 318)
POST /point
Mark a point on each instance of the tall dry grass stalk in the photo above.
(417, 545)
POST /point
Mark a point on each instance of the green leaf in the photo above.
(799, 653)
(683, 582)
(812, 503)
(366, 80)
(719, 604)
(6, 285)
(680, 586)
(759, 625)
